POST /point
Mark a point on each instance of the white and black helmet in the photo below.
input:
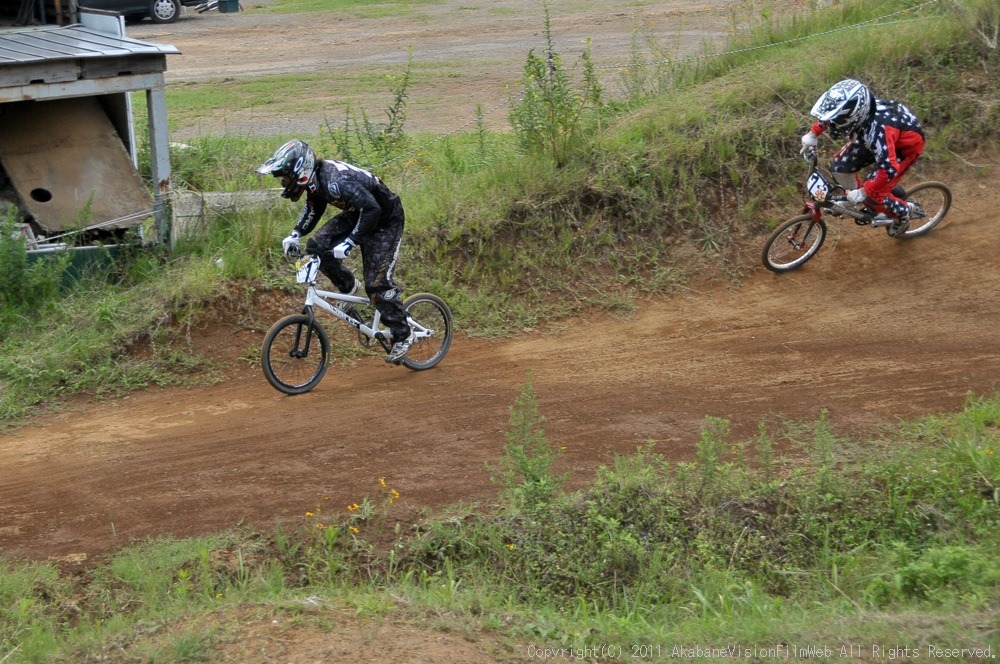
(294, 163)
(845, 107)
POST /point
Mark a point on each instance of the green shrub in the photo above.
(26, 284)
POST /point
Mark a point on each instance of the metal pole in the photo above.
(159, 159)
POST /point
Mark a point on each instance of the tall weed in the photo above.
(525, 470)
(369, 143)
(550, 115)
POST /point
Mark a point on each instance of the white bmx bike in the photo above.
(296, 350)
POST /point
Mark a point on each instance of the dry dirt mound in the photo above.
(872, 330)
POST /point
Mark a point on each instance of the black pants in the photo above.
(379, 253)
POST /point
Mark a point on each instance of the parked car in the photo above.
(158, 11)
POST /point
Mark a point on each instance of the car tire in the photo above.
(164, 11)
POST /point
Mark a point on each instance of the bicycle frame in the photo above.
(825, 195)
(308, 272)
(319, 298)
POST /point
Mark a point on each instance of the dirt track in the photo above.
(872, 329)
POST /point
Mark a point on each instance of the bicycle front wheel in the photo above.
(295, 354)
(934, 200)
(431, 319)
(793, 243)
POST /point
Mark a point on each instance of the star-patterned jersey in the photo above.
(893, 135)
(351, 189)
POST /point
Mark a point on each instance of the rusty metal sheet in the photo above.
(69, 166)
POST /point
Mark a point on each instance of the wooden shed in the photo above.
(67, 139)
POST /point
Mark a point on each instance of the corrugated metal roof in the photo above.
(69, 42)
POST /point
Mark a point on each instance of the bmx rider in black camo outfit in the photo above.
(371, 217)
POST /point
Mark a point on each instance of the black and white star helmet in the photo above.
(845, 107)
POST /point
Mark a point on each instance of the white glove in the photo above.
(341, 250)
(289, 242)
(809, 142)
(856, 196)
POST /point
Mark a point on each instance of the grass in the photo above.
(739, 546)
(324, 96)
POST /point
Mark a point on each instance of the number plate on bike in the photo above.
(818, 186)
(306, 269)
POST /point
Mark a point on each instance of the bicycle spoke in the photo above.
(793, 243)
(433, 326)
(294, 355)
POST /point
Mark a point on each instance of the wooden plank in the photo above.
(124, 66)
(69, 166)
(39, 72)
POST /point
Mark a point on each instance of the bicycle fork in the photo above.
(300, 350)
(793, 238)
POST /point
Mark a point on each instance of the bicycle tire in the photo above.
(280, 358)
(784, 250)
(935, 199)
(431, 312)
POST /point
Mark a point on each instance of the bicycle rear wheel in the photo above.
(934, 200)
(793, 243)
(295, 354)
(430, 314)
